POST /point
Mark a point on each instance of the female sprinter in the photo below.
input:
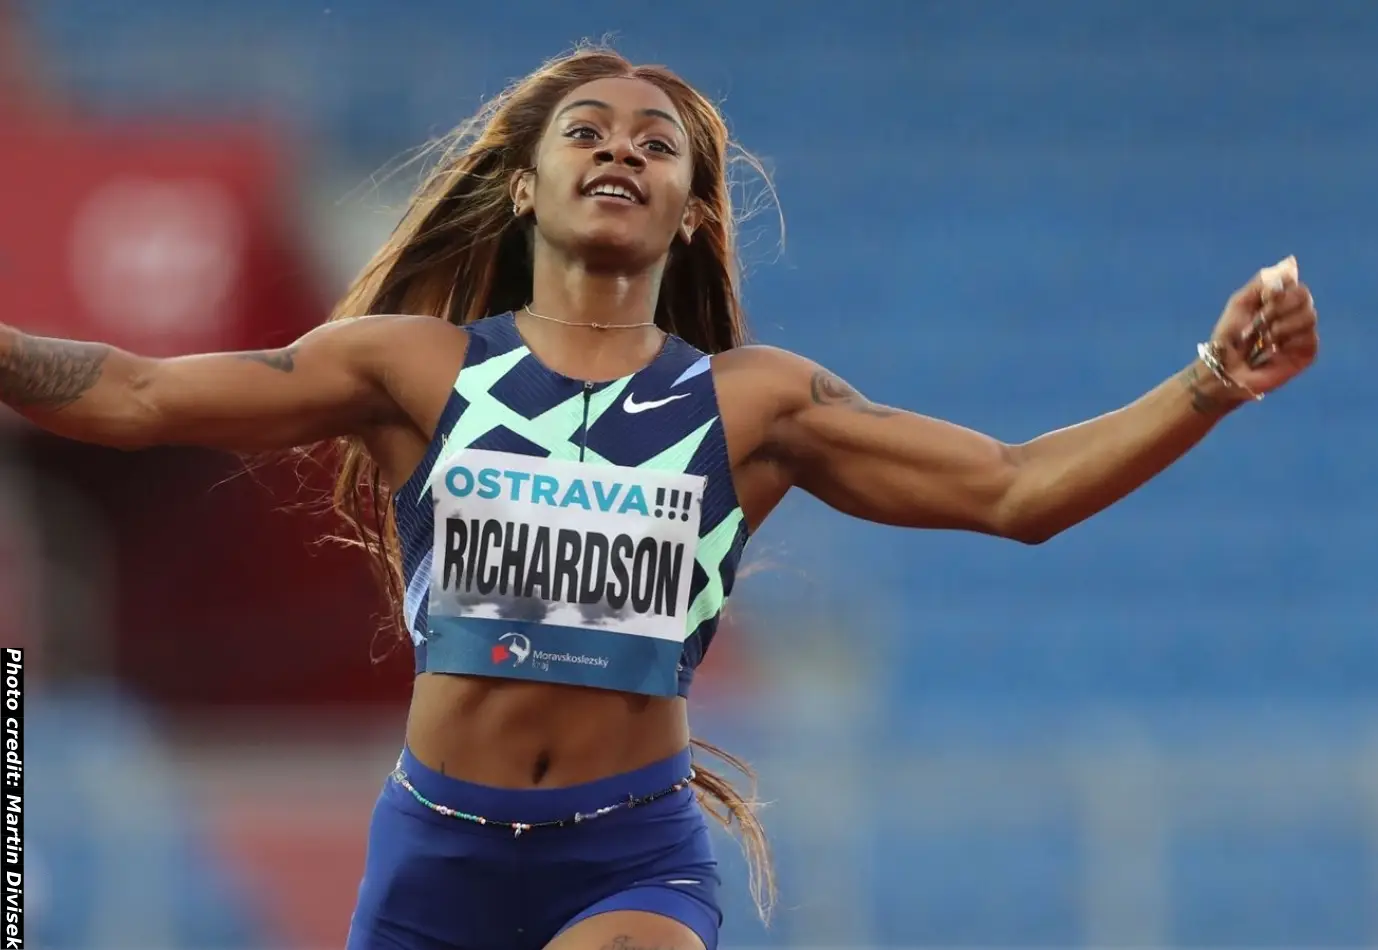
(558, 444)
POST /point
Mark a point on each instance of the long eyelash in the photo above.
(573, 132)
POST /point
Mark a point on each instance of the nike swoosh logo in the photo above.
(632, 406)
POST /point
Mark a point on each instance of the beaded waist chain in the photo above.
(517, 827)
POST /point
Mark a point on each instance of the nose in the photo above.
(620, 151)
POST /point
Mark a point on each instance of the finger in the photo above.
(1258, 292)
(1268, 285)
(1248, 298)
(1303, 347)
(1257, 326)
(1277, 278)
(1270, 335)
(1291, 302)
(1303, 324)
(1295, 298)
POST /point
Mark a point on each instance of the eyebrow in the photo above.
(600, 104)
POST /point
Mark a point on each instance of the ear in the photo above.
(690, 221)
(522, 189)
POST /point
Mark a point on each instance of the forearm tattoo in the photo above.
(830, 390)
(1193, 378)
(284, 361)
(40, 373)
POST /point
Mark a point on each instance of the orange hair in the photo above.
(460, 254)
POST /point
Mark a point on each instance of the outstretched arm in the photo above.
(330, 382)
(900, 468)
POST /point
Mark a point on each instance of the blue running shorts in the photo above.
(436, 882)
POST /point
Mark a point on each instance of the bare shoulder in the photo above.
(758, 389)
(780, 379)
(390, 332)
(765, 371)
(758, 357)
(394, 348)
(413, 359)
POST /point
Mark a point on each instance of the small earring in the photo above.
(516, 210)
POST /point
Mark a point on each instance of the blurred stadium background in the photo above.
(1158, 730)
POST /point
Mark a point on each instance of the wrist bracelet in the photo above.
(1209, 353)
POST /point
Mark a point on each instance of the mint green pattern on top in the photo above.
(552, 430)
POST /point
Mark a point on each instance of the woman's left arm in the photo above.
(895, 467)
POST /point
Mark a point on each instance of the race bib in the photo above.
(563, 572)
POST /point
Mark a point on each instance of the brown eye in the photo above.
(660, 145)
(578, 133)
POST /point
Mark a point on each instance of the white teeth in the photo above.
(616, 191)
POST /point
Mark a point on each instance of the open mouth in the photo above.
(610, 189)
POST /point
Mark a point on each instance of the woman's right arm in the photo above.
(331, 382)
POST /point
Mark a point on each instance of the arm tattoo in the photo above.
(40, 373)
(281, 360)
(830, 390)
(1201, 401)
(628, 942)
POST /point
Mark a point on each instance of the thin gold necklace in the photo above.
(596, 326)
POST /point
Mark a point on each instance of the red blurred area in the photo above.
(168, 241)
(160, 240)
(226, 594)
